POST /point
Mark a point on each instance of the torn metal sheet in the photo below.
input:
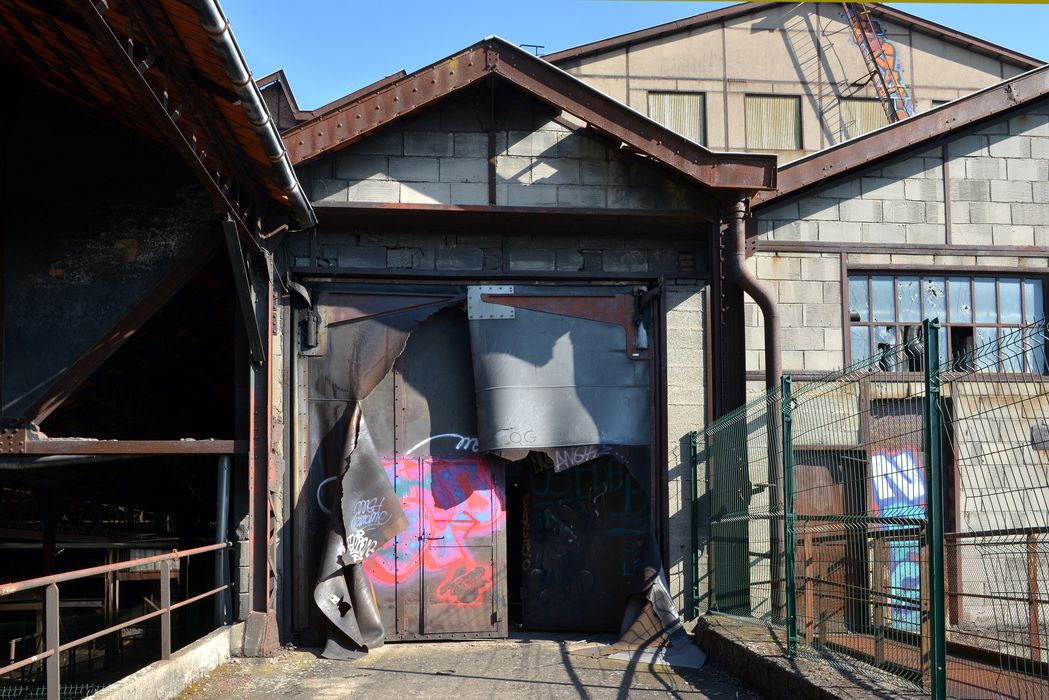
(370, 515)
(545, 381)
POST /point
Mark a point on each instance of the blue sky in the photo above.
(329, 48)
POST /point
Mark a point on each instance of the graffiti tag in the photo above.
(369, 514)
(359, 547)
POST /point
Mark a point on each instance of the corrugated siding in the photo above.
(683, 112)
(773, 123)
(858, 116)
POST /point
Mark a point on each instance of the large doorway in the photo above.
(512, 521)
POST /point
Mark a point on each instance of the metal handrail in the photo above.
(51, 607)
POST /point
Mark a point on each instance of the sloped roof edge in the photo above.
(733, 11)
(893, 139)
(356, 119)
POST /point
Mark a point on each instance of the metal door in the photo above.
(444, 576)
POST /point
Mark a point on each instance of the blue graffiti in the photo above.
(898, 491)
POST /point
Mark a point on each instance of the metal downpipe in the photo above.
(762, 296)
(757, 291)
(216, 25)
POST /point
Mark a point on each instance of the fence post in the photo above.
(789, 523)
(693, 443)
(934, 498)
(53, 663)
(165, 605)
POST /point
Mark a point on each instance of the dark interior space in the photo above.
(172, 379)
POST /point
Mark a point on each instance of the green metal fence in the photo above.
(894, 516)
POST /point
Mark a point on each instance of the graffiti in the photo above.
(898, 485)
(465, 586)
(905, 585)
(868, 31)
(571, 456)
(463, 443)
(516, 437)
(369, 514)
(320, 498)
(450, 504)
(358, 547)
(898, 491)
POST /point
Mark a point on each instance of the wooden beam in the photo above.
(243, 285)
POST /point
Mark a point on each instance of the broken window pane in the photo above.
(1009, 293)
(961, 300)
(908, 299)
(935, 298)
(859, 302)
(987, 347)
(860, 343)
(986, 300)
(883, 301)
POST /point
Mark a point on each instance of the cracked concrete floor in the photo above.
(547, 666)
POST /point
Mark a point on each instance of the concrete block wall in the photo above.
(992, 437)
(686, 399)
(808, 289)
(489, 252)
(902, 202)
(441, 157)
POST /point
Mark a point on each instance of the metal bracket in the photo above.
(477, 309)
(13, 435)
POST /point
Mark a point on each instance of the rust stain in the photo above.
(56, 272)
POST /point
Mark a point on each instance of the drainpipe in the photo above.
(761, 295)
(216, 25)
(757, 291)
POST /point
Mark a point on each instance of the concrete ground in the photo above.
(526, 666)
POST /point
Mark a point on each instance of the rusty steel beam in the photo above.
(733, 171)
(922, 129)
(153, 105)
(145, 448)
(355, 120)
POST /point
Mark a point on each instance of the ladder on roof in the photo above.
(880, 58)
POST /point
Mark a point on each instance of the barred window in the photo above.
(683, 112)
(975, 311)
(860, 115)
(773, 122)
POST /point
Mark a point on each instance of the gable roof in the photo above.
(920, 130)
(733, 11)
(278, 81)
(352, 120)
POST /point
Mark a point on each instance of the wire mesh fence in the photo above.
(894, 516)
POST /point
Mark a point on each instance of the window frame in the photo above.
(746, 121)
(842, 99)
(703, 109)
(946, 274)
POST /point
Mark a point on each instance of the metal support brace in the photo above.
(934, 496)
(789, 523)
(165, 605)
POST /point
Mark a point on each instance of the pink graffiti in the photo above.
(448, 502)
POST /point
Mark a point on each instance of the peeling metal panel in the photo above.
(546, 380)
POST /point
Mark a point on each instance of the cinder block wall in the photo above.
(998, 196)
(441, 157)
